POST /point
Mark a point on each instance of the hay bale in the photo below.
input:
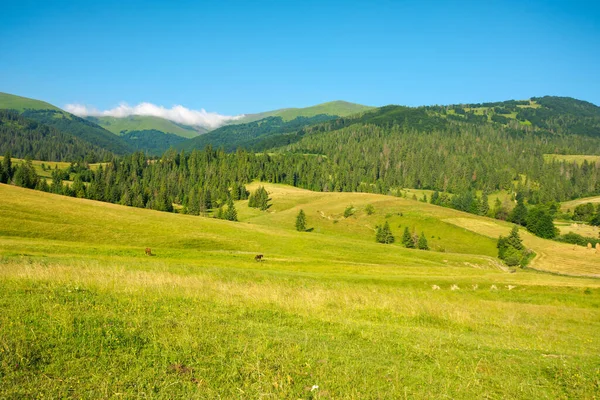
(589, 245)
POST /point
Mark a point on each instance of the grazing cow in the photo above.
(148, 251)
(259, 257)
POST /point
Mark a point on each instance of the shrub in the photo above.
(349, 211)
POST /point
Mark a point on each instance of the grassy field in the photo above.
(578, 228)
(570, 205)
(140, 123)
(10, 101)
(577, 158)
(50, 165)
(329, 314)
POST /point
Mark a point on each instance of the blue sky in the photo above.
(242, 57)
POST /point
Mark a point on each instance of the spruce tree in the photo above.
(384, 234)
(231, 213)
(519, 213)
(435, 198)
(7, 169)
(514, 240)
(484, 207)
(193, 203)
(301, 221)
(407, 239)
(422, 244)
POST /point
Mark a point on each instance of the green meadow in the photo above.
(327, 314)
(572, 158)
(140, 123)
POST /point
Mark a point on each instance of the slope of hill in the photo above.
(447, 230)
(334, 108)
(20, 104)
(253, 135)
(82, 303)
(65, 122)
(153, 142)
(146, 123)
(24, 138)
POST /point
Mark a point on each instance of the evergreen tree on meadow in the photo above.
(25, 175)
(407, 239)
(301, 221)
(422, 244)
(57, 182)
(384, 234)
(511, 249)
(231, 213)
(514, 239)
(259, 199)
(540, 223)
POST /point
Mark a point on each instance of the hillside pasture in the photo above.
(572, 158)
(327, 315)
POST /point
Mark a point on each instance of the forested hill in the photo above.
(65, 122)
(544, 115)
(254, 135)
(23, 137)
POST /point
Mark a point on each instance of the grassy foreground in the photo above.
(329, 314)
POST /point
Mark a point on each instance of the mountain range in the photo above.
(276, 128)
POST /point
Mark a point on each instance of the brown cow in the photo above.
(148, 251)
(259, 257)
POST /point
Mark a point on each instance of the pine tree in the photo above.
(301, 221)
(540, 223)
(384, 234)
(435, 198)
(519, 213)
(57, 182)
(231, 213)
(422, 244)
(259, 199)
(193, 203)
(484, 207)
(7, 170)
(514, 240)
(407, 239)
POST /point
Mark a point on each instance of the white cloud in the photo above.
(177, 113)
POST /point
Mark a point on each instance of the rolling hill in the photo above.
(256, 135)
(146, 123)
(329, 312)
(334, 108)
(20, 104)
(65, 122)
(24, 137)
